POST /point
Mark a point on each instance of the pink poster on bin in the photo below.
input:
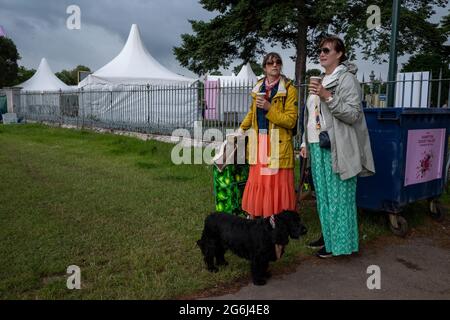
(424, 155)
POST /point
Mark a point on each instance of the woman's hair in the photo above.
(338, 45)
(270, 56)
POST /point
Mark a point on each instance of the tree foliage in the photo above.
(433, 63)
(23, 74)
(8, 62)
(70, 77)
(312, 72)
(243, 29)
(435, 60)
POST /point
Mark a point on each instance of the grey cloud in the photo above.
(39, 29)
(32, 24)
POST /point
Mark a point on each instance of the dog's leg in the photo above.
(220, 255)
(265, 269)
(209, 256)
(258, 271)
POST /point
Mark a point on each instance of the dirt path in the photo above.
(416, 267)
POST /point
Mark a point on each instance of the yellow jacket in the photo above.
(282, 118)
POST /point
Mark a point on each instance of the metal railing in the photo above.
(409, 92)
(162, 109)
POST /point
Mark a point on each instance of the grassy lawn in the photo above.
(120, 210)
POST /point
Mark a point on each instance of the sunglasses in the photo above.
(324, 50)
(271, 63)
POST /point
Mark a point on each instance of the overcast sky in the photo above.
(38, 29)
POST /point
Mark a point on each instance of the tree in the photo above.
(428, 62)
(434, 63)
(23, 74)
(216, 73)
(435, 60)
(445, 25)
(8, 62)
(312, 72)
(70, 77)
(242, 28)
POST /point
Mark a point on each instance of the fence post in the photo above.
(148, 106)
(412, 92)
(448, 94)
(430, 87)
(439, 89)
(393, 52)
(110, 109)
(59, 105)
(82, 107)
(420, 90)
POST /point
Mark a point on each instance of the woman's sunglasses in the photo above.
(324, 50)
(271, 63)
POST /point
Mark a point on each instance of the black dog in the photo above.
(255, 240)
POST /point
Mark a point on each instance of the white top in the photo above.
(312, 132)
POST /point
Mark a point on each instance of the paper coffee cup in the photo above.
(315, 79)
(260, 94)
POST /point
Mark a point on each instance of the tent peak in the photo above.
(134, 65)
(44, 80)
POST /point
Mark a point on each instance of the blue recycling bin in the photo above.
(409, 147)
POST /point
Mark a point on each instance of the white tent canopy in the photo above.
(227, 98)
(245, 75)
(134, 65)
(43, 93)
(44, 80)
(136, 89)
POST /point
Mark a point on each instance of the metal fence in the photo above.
(410, 91)
(162, 109)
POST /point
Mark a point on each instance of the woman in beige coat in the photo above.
(334, 106)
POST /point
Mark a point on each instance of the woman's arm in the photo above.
(288, 118)
(247, 122)
(346, 106)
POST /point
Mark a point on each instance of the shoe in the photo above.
(318, 244)
(322, 253)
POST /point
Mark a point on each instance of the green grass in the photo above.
(119, 209)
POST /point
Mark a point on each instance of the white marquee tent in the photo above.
(134, 65)
(44, 94)
(135, 88)
(44, 80)
(228, 97)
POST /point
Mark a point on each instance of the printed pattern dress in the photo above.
(336, 203)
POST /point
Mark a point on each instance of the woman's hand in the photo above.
(262, 103)
(318, 89)
(303, 153)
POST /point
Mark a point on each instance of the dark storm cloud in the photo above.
(39, 29)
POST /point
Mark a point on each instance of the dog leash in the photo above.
(298, 203)
(272, 221)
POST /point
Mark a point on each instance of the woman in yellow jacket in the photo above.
(269, 125)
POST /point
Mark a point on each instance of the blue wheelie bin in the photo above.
(409, 147)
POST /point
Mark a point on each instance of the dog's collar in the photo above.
(272, 221)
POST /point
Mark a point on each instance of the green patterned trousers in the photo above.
(336, 204)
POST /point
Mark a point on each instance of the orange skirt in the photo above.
(268, 191)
